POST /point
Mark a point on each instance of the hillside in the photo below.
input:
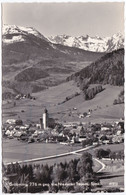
(102, 105)
(25, 49)
(109, 69)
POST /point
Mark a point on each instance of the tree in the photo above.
(100, 153)
(12, 168)
(104, 137)
(30, 172)
(18, 169)
(84, 143)
(58, 174)
(72, 171)
(115, 102)
(85, 164)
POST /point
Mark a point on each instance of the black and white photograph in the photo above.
(62, 108)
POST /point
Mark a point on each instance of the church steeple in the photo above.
(45, 111)
(45, 118)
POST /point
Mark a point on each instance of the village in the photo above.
(49, 131)
(53, 142)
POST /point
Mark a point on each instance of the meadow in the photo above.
(14, 150)
(101, 105)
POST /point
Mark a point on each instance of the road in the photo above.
(76, 152)
(101, 163)
(52, 157)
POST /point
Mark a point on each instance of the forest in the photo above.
(73, 172)
(109, 69)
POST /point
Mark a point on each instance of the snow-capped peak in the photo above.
(13, 33)
(96, 43)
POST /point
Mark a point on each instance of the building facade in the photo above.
(45, 119)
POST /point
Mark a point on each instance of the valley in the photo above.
(26, 50)
(52, 73)
(62, 106)
(102, 105)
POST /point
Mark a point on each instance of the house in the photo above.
(11, 128)
(76, 131)
(68, 125)
(18, 96)
(88, 115)
(38, 126)
(11, 121)
(8, 132)
(105, 128)
(118, 132)
(18, 134)
(23, 128)
(82, 139)
(75, 139)
(118, 139)
(37, 132)
(81, 116)
(105, 142)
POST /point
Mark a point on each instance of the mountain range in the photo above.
(88, 43)
(32, 62)
(25, 50)
(23, 43)
(13, 34)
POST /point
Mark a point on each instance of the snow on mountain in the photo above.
(13, 33)
(95, 44)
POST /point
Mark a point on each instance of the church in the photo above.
(46, 122)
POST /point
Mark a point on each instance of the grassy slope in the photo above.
(102, 105)
(56, 60)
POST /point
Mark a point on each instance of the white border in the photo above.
(56, 1)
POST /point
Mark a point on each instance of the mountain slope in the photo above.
(102, 105)
(96, 44)
(109, 69)
(24, 48)
(20, 44)
(13, 33)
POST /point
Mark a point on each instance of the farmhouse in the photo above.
(11, 121)
(77, 131)
(105, 128)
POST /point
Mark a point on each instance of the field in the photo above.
(112, 147)
(113, 174)
(14, 150)
(52, 98)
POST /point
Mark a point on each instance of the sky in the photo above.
(75, 19)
